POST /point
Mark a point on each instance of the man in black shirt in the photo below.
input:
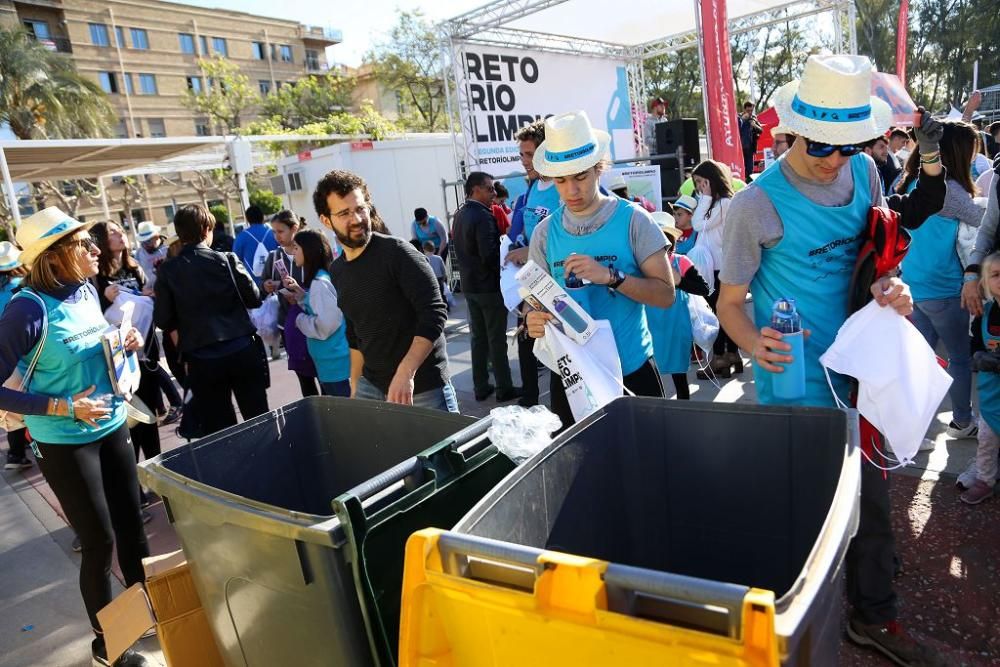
(391, 302)
(477, 245)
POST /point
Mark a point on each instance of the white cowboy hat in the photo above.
(44, 228)
(833, 102)
(146, 231)
(686, 202)
(571, 145)
(665, 222)
(10, 256)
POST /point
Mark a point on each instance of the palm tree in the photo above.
(42, 96)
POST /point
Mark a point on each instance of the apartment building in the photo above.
(145, 57)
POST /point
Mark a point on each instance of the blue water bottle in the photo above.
(790, 385)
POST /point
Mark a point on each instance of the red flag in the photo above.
(904, 11)
(720, 103)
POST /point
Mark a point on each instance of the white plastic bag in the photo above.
(142, 311)
(701, 257)
(704, 323)
(265, 318)
(520, 433)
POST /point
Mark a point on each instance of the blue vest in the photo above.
(7, 290)
(608, 245)
(812, 264)
(685, 246)
(430, 235)
(538, 205)
(671, 331)
(332, 356)
(71, 360)
(931, 267)
(988, 384)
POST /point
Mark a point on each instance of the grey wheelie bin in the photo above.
(252, 506)
(710, 501)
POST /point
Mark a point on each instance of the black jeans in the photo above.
(214, 382)
(98, 490)
(174, 362)
(643, 382)
(168, 387)
(681, 385)
(17, 442)
(529, 365)
(307, 385)
(870, 558)
(723, 343)
(488, 324)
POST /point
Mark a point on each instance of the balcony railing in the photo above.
(60, 44)
(317, 32)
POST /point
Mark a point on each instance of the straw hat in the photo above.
(571, 145)
(146, 231)
(686, 202)
(833, 102)
(10, 256)
(616, 181)
(665, 222)
(44, 228)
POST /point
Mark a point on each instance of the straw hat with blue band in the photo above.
(40, 231)
(571, 145)
(146, 231)
(686, 202)
(832, 103)
(10, 256)
(665, 222)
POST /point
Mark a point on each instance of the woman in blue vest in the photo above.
(322, 322)
(610, 248)
(933, 270)
(52, 331)
(428, 228)
(11, 273)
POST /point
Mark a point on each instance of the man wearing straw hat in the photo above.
(797, 232)
(611, 246)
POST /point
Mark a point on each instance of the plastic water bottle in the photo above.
(785, 319)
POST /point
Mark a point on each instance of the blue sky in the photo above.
(365, 22)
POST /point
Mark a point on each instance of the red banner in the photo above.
(901, 30)
(721, 108)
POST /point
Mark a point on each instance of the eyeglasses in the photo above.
(819, 149)
(346, 214)
(86, 243)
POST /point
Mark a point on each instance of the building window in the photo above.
(168, 211)
(219, 46)
(286, 53)
(121, 130)
(187, 43)
(195, 84)
(99, 34)
(294, 181)
(140, 39)
(127, 78)
(202, 128)
(108, 81)
(259, 51)
(147, 84)
(138, 215)
(312, 60)
(203, 42)
(265, 86)
(156, 127)
(37, 29)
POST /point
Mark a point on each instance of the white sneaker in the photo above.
(968, 477)
(959, 432)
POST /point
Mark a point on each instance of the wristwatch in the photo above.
(617, 278)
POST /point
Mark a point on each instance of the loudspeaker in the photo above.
(671, 135)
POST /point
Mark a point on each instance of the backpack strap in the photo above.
(41, 341)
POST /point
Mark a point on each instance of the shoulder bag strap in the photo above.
(229, 265)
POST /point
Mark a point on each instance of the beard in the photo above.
(348, 241)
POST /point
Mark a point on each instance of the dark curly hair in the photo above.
(341, 183)
(534, 132)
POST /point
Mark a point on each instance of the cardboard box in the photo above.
(576, 322)
(170, 602)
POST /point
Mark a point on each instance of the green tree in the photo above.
(365, 122)
(42, 96)
(410, 62)
(266, 201)
(676, 77)
(309, 100)
(227, 96)
(221, 214)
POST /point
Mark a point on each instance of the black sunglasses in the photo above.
(819, 149)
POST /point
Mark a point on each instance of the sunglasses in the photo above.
(819, 149)
(87, 244)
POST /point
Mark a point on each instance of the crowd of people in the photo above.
(364, 317)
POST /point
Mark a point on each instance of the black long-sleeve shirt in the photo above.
(389, 295)
(477, 245)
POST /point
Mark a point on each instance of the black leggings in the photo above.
(643, 382)
(307, 384)
(723, 343)
(17, 442)
(98, 490)
(681, 385)
(146, 437)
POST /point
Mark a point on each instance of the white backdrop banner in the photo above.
(510, 88)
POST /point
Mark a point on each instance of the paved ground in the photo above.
(948, 589)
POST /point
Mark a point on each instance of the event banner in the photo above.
(509, 88)
(642, 181)
(720, 106)
(901, 32)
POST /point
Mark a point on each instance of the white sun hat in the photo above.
(833, 102)
(571, 145)
(10, 256)
(616, 181)
(665, 222)
(686, 202)
(146, 231)
(44, 228)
